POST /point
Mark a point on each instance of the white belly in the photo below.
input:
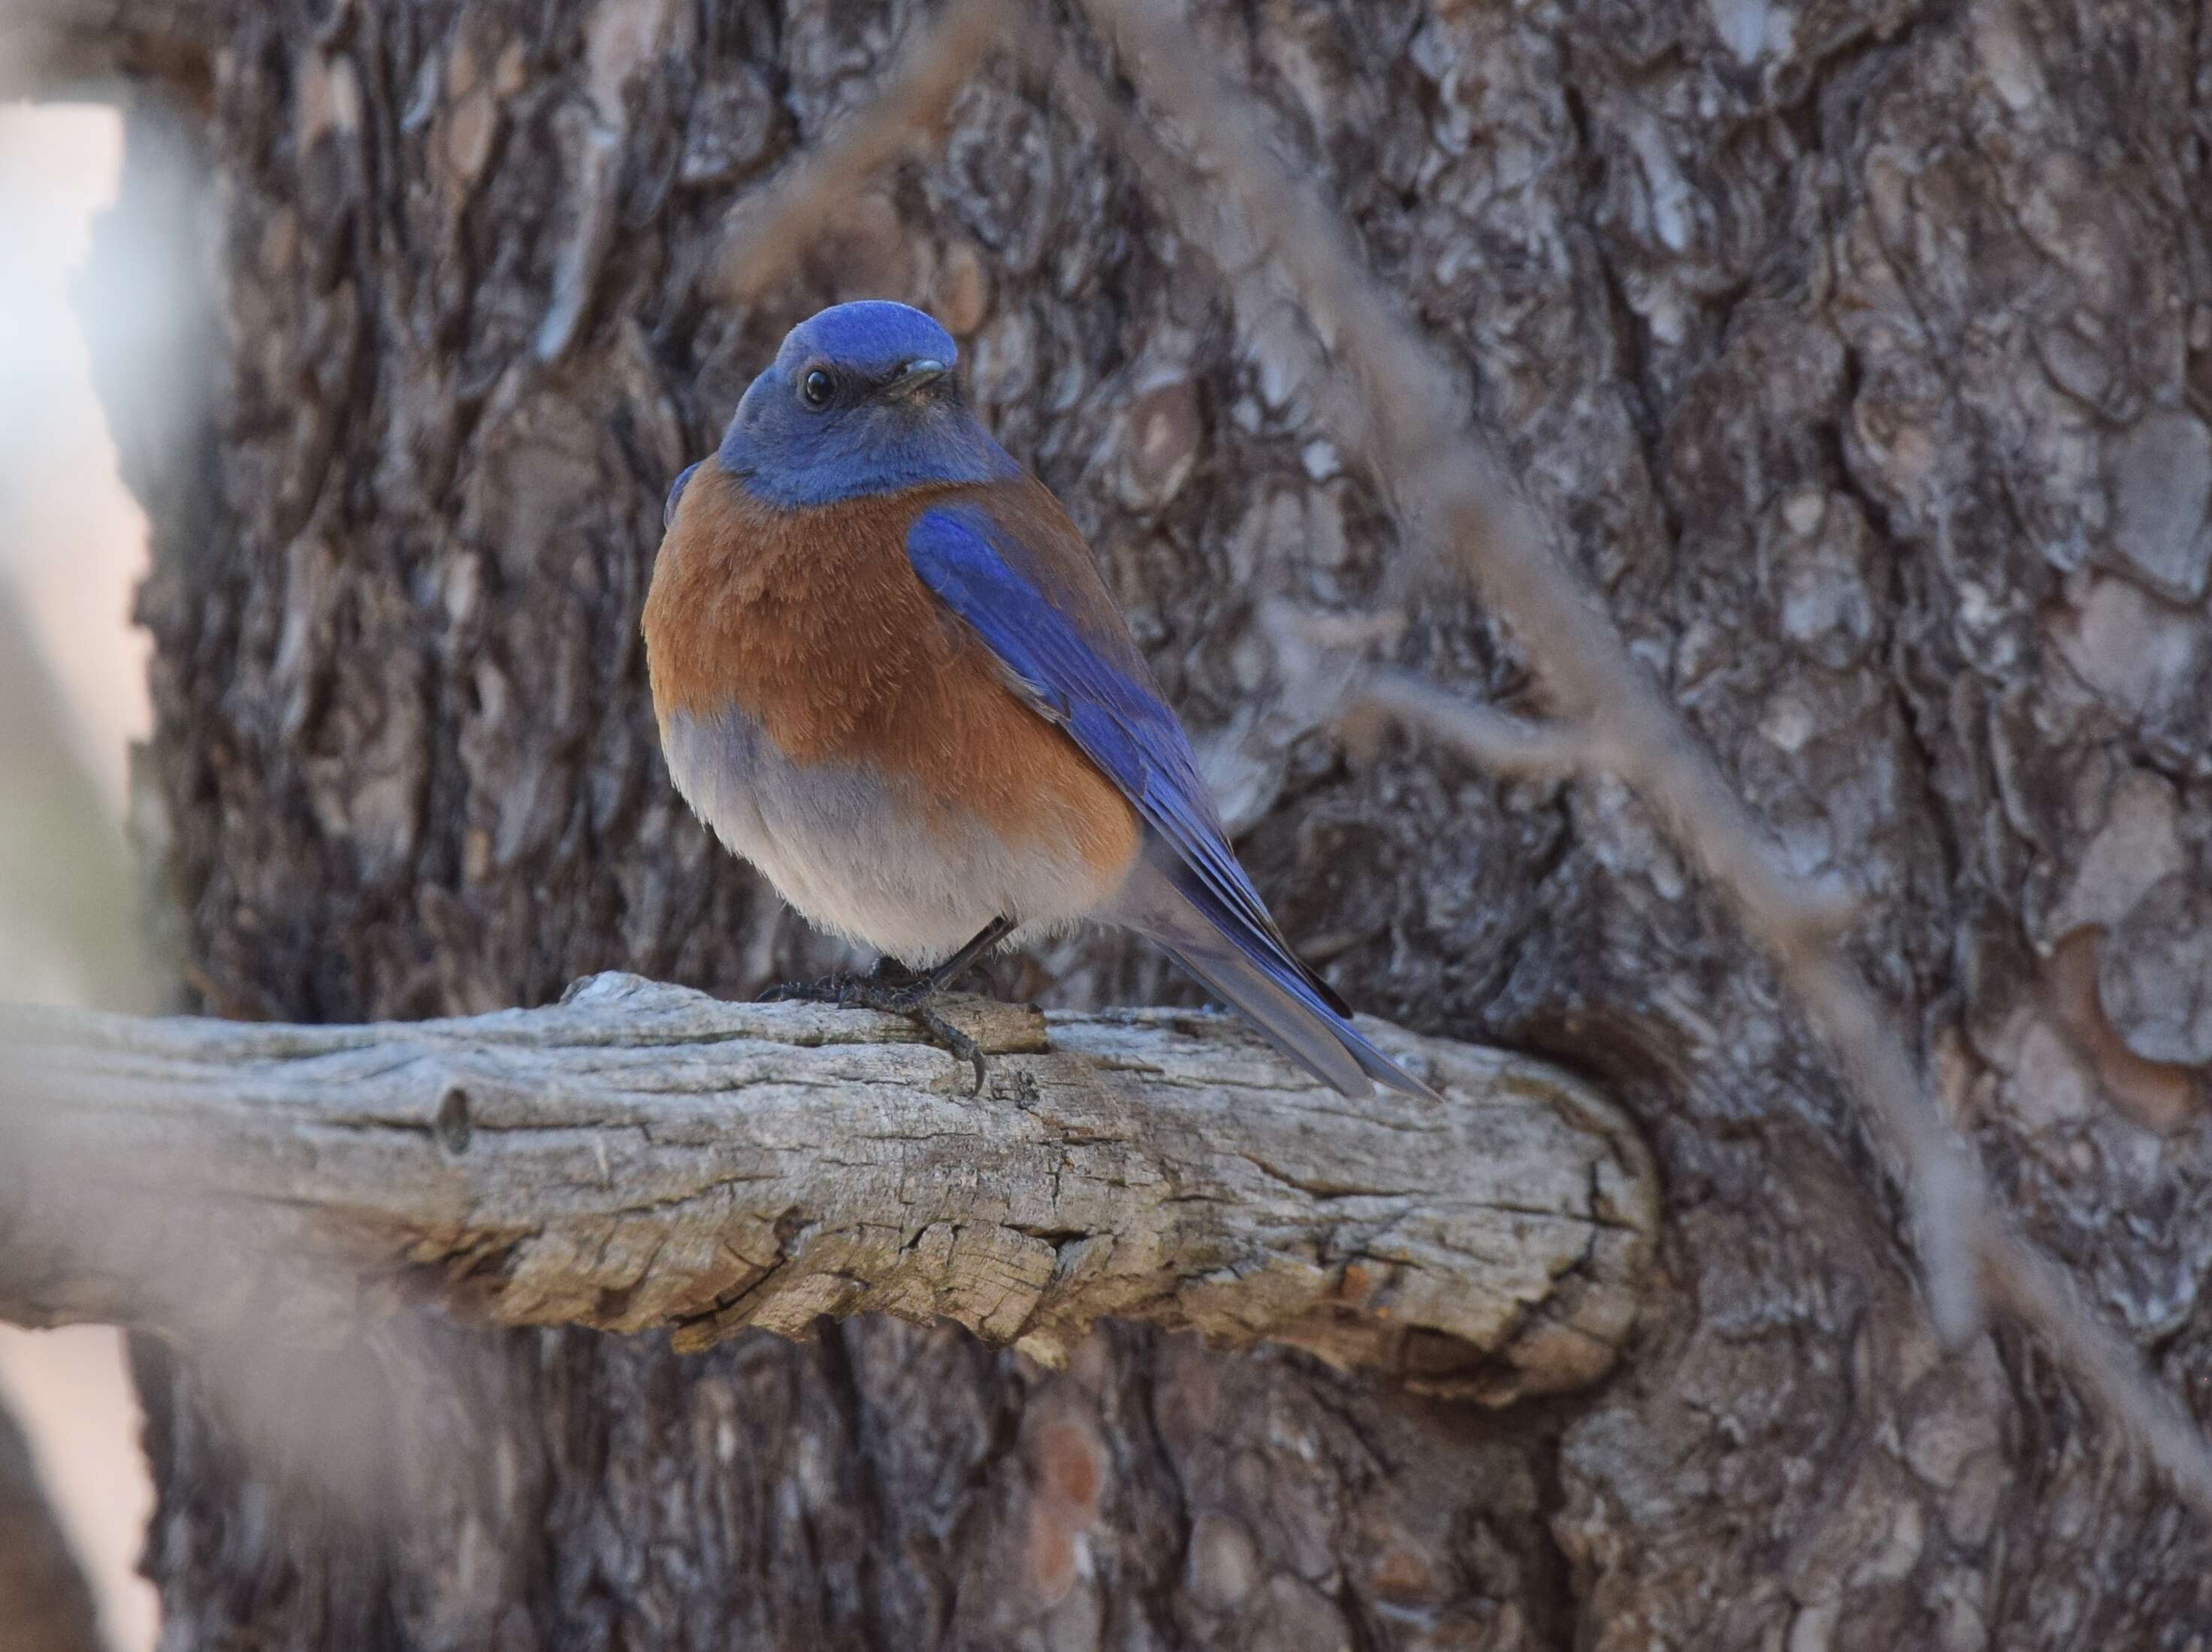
(847, 846)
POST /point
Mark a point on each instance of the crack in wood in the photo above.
(551, 1173)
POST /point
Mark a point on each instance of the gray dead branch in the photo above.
(642, 1157)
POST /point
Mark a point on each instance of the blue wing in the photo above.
(1192, 896)
(1118, 720)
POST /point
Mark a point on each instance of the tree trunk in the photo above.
(1860, 350)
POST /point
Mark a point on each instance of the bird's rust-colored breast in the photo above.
(813, 623)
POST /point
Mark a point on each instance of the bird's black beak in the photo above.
(917, 375)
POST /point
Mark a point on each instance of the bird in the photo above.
(887, 672)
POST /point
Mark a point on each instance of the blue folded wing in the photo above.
(1118, 721)
(981, 573)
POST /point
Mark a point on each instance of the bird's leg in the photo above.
(917, 997)
(887, 972)
(943, 978)
(888, 977)
(913, 997)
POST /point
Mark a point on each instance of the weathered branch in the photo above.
(643, 1156)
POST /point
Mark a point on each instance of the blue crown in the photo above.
(871, 337)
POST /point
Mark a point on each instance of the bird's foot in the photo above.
(917, 1002)
(892, 989)
(886, 974)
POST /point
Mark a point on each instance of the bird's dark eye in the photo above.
(815, 388)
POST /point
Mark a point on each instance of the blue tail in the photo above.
(1300, 1013)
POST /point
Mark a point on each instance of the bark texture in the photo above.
(641, 1158)
(1864, 349)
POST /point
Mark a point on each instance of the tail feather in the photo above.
(1257, 974)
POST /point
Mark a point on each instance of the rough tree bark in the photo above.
(1863, 350)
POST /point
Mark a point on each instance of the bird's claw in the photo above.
(824, 991)
(886, 975)
(955, 1042)
(890, 991)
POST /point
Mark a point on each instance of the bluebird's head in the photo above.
(860, 400)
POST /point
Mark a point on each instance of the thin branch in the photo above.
(1411, 424)
(2038, 1293)
(764, 230)
(1507, 745)
(642, 1157)
(52, 48)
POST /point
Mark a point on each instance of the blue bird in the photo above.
(888, 674)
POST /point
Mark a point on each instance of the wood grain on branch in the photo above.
(643, 1156)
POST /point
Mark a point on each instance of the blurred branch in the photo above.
(55, 48)
(1505, 745)
(765, 230)
(46, 1605)
(1410, 420)
(642, 1157)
